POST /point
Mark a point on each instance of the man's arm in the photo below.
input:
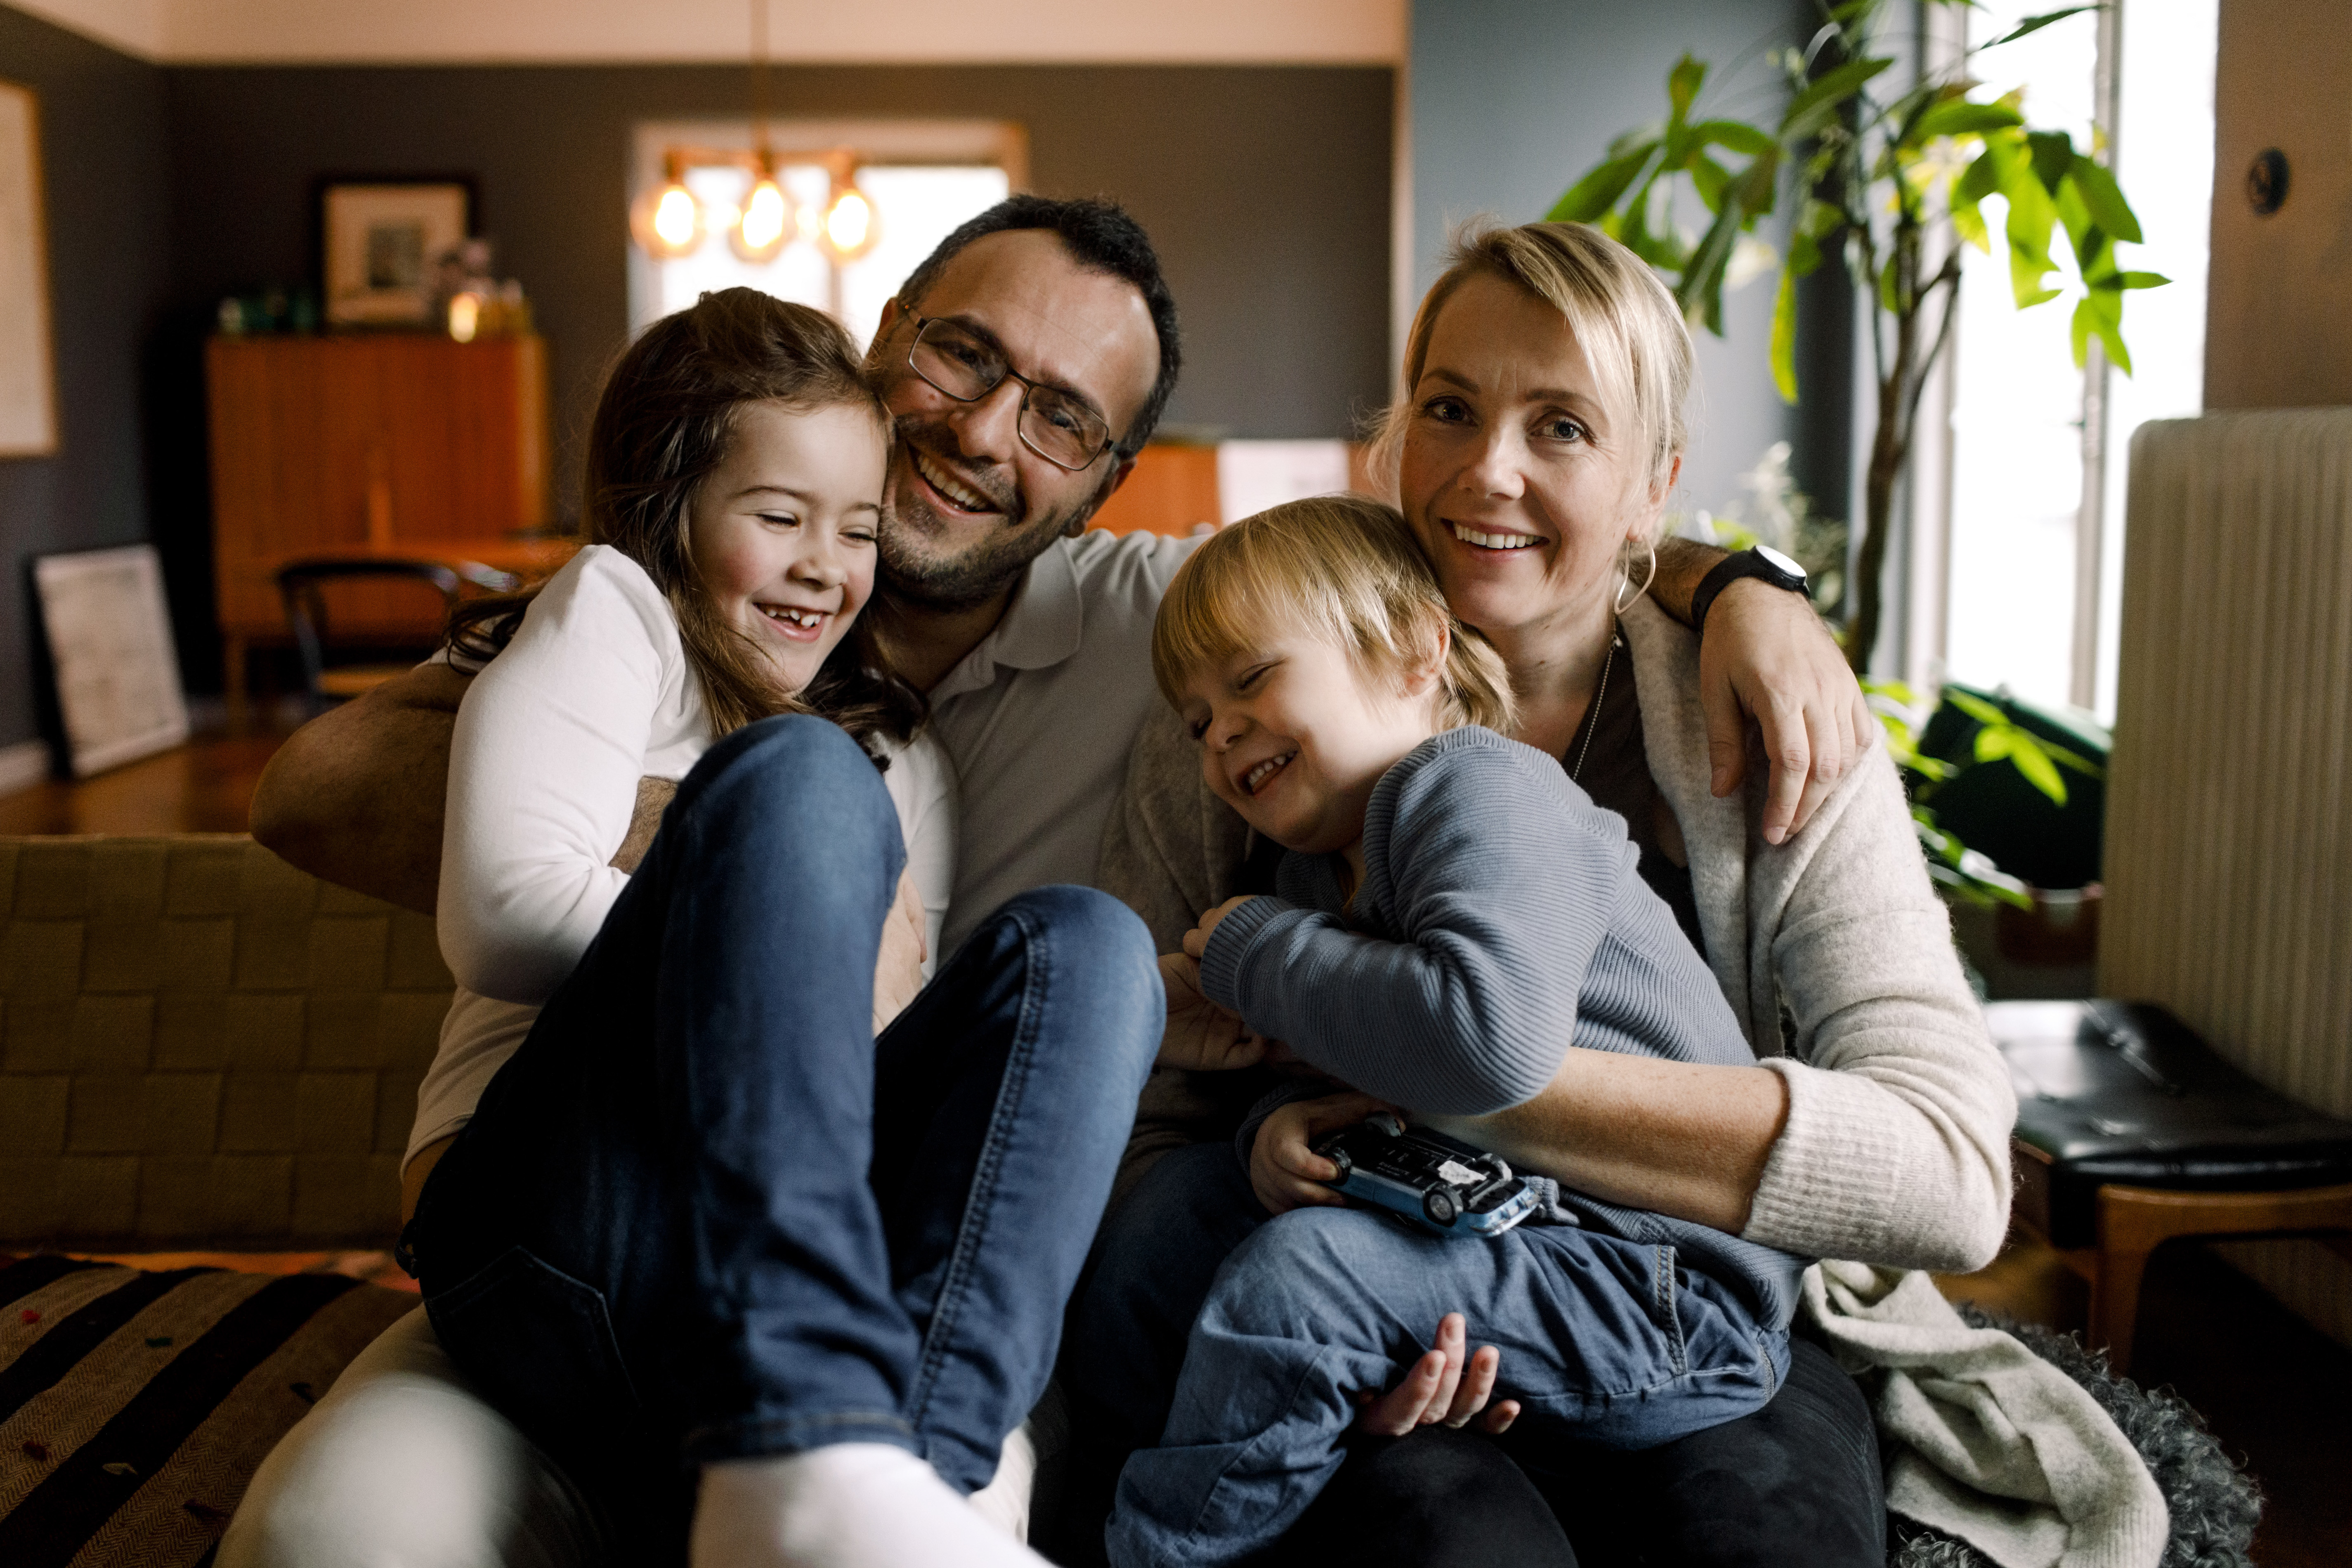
(1765, 655)
(356, 795)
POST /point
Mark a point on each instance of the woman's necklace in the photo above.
(1600, 695)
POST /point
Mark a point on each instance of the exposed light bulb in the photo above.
(767, 221)
(667, 222)
(849, 227)
(674, 218)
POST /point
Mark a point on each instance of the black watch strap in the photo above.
(1762, 562)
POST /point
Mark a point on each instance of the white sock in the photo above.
(848, 1505)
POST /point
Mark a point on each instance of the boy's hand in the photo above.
(1200, 1034)
(1196, 941)
(1442, 1386)
(1284, 1172)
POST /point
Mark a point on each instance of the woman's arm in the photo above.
(1886, 1139)
(543, 774)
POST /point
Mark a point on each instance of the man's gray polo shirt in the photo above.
(1040, 717)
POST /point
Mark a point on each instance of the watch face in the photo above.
(1781, 561)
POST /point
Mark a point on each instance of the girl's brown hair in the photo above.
(661, 427)
(1343, 568)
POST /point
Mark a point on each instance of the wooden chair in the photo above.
(302, 585)
(2132, 1133)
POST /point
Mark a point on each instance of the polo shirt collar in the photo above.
(1042, 625)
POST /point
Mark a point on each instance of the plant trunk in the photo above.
(1890, 448)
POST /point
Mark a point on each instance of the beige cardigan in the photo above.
(1897, 1147)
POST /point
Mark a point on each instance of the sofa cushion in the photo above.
(135, 1405)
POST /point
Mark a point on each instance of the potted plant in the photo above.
(1894, 184)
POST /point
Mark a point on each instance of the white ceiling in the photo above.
(466, 32)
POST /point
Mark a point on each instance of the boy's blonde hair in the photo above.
(1621, 315)
(1342, 568)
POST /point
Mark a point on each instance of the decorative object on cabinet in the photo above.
(380, 239)
(371, 447)
(28, 401)
(109, 639)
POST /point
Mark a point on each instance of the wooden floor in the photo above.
(2278, 1392)
(206, 786)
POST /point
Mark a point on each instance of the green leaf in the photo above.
(1599, 189)
(2053, 155)
(2035, 24)
(2141, 281)
(1959, 117)
(2104, 199)
(1683, 84)
(1710, 179)
(1819, 103)
(1784, 334)
(1735, 135)
(2026, 755)
(1976, 708)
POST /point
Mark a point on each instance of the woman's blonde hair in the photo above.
(1342, 568)
(1621, 315)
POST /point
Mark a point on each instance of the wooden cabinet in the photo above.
(386, 445)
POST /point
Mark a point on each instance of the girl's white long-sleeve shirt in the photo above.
(593, 694)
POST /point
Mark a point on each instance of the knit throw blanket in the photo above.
(1989, 1442)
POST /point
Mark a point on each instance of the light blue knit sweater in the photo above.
(1501, 921)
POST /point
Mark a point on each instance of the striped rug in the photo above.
(136, 1406)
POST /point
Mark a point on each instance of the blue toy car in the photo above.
(1438, 1183)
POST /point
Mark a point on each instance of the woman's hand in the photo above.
(1442, 1386)
(898, 971)
(1196, 941)
(1285, 1173)
(1200, 1034)
(1764, 653)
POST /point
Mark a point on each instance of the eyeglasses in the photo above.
(1054, 425)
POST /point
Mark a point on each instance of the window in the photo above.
(2033, 572)
(924, 178)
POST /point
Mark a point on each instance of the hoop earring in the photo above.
(1623, 599)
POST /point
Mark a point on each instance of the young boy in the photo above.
(1454, 914)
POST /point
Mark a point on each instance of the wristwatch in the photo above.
(1762, 562)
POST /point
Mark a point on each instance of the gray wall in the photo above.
(102, 141)
(1266, 190)
(1513, 99)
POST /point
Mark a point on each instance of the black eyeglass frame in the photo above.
(924, 323)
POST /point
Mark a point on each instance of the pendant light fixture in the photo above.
(667, 220)
(765, 220)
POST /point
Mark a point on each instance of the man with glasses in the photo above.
(1026, 363)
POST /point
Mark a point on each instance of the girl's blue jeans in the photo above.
(703, 1213)
(1604, 1341)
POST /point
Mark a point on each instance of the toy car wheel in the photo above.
(1346, 1167)
(1441, 1207)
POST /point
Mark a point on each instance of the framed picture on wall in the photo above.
(380, 239)
(109, 638)
(29, 382)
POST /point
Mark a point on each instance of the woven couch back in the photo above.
(202, 1046)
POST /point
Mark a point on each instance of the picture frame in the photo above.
(29, 381)
(379, 240)
(109, 642)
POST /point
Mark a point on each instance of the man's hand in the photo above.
(654, 796)
(899, 971)
(1440, 1387)
(1201, 1034)
(1764, 654)
(1196, 941)
(1286, 1173)
(356, 795)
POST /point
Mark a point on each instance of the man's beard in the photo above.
(988, 566)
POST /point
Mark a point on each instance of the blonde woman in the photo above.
(1538, 437)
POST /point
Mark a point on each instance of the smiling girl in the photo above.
(1454, 914)
(762, 1239)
